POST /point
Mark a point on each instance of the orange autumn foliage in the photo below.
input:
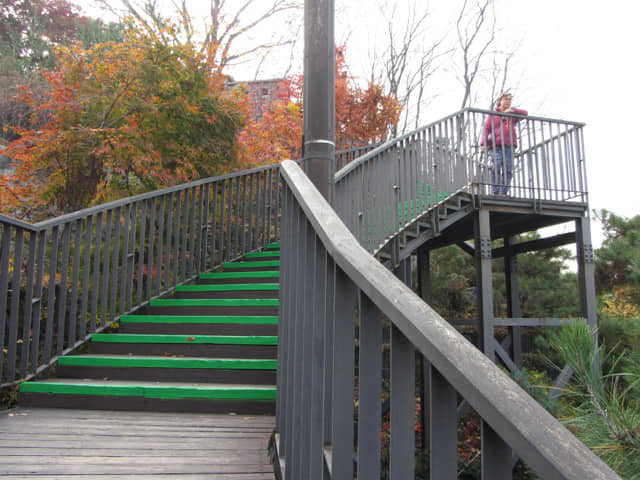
(120, 119)
(363, 116)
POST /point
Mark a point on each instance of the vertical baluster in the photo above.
(149, 260)
(51, 294)
(300, 419)
(115, 264)
(265, 208)
(28, 305)
(229, 225)
(205, 204)
(168, 243)
(294, 284)
(195, 260)
(214, 224)
(177, 241)
(164, 200)
(252, 207)
(5, 253)
(142, 252)
(95, 282)
(402, 396)
(73, 313)
(223, 227)
(496, 455)
(131, 251)
(125, 271)
(370, 392)
(61, 304)
(187, 231)
(106, 269)
(12, 338)
(86, 277)
(238, 220)
(343, 376)
(37, 309)
(443, 422)
(284, 314)
(319, 316)
(328, 330)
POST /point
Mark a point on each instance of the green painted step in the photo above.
(159, 391)
(272, 253)
(228, 287)
(167, 362)
(219, 275)
(203, 319)
(221, 302)
(272, 245)
(185, 339)
(256, 264)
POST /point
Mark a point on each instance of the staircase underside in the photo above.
(452, 222)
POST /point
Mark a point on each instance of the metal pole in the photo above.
(513, 297)
(318, 140)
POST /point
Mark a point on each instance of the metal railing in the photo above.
(345, 157)
(328, 283)
(382, 191)
(63, 279)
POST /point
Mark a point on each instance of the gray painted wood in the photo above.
(83, 444)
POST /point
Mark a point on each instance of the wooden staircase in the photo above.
(211, 347)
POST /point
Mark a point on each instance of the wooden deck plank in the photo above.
(81, 444)
(214, 476)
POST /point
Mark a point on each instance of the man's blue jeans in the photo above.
(502, 171)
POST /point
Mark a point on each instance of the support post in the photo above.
(482, 236)
(513, 297)
(318, 142)
(586, 272)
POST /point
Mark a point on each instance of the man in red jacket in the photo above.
(500, 139)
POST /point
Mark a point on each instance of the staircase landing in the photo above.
(88, 444)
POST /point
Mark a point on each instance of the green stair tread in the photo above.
(185, 339)
(126, 361)
(253, 264)
(211, 302)
(269, 253)
(153, 390)
(223, 275)
(229, 287)
(272, 245)
(201, 319)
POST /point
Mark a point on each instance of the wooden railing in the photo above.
(380, 192)
(328, 283)
(63, 279)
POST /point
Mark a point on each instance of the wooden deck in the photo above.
(94, 444)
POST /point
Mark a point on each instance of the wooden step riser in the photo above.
(204, 310)
(199, 329)
(97, 402)
(187, 350)
(150, 374)
(248, 294)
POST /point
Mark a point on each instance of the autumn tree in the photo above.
(363, 115)
(122, 118)
(29, 29)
